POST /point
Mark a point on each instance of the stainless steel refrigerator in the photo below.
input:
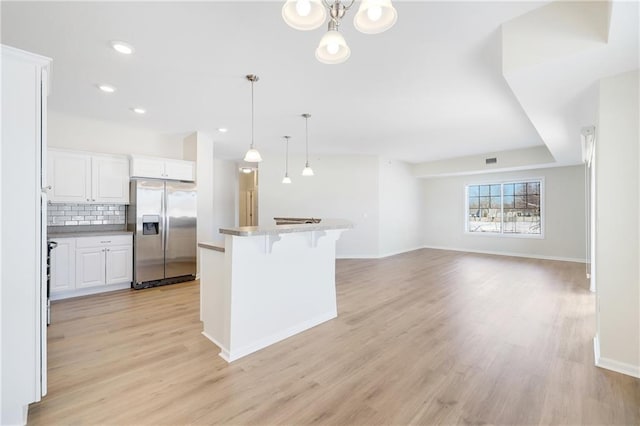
(162, 216)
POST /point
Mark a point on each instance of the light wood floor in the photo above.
(423, 338)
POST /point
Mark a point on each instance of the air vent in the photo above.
(493, 160)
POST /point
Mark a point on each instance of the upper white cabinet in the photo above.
(87, 178)
(163, 168)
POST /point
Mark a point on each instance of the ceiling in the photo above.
(430, 88)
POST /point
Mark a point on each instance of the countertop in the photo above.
(86, 234)
(253, 231)
(212, 246)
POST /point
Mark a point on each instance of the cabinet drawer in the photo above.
(106, 240)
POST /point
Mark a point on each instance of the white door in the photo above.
(63, 272)
(110, 180)
(119, 264)
(90, 267)
(145, 167)
(179, 170)
(69, 175)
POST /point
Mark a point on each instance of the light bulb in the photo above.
(303, 7)
(333, 48)
(374, 13)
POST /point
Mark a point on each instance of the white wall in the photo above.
(400, 201)
(344, 187)
(564, 221)
(87, 134)
(225, 197)
(617, 237)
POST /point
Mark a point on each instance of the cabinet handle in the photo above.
(88, 199)
(107, 249)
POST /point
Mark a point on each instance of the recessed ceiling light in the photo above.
(223, 130)
(139, 110)
(246, 170)
(122, 47)
(106, 88)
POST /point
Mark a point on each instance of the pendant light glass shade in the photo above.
(333, 48)
(307, 171)
(252, 155)
(304, 14)
(375, 16)
(286, 179)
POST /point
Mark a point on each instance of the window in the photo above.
(505, 208)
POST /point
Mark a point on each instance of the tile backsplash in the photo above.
(85, 214)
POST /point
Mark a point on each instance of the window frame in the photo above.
(502, 234)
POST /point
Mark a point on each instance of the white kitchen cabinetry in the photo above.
(88, 265)
(87, 178)
(63, 265)
(162, 168)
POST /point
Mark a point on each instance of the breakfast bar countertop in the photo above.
(252, 231)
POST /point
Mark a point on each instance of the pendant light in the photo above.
(286, 178)
(307, 171)
(252, 156)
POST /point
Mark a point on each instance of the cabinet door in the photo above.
(146, 167)
(63, 272)
(119, 264)
(90, 267)
(69, 175)
(110, 180)
(179, 170)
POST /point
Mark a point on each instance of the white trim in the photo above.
(380, 256)
(512, 254)
(613, 365)
(395, 253)
(89, 290)
(232, 355)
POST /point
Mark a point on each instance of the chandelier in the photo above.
(373, 17)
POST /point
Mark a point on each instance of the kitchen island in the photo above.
(267, 283)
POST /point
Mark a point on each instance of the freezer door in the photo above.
(180, 233)
(148, 202)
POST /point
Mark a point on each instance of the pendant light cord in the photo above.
(286, 162)
(306, 129)
(252, 112)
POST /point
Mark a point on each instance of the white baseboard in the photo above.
(89, 291)
(511, 254)
(613, 365)
(379, 256)
(235, 354)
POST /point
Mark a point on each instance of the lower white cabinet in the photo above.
(86, 265)
(63, 265)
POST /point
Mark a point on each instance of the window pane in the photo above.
(495, 190)
(521, 188)
(474, 191)
(508, 202)
(495, 202)
(484, 202)
(474, 202)
(533, 188)
(521, 202)
(508, 189)
(533, 201)
(484, 190)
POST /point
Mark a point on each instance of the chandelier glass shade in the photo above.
(304, 15)
(373, 17)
